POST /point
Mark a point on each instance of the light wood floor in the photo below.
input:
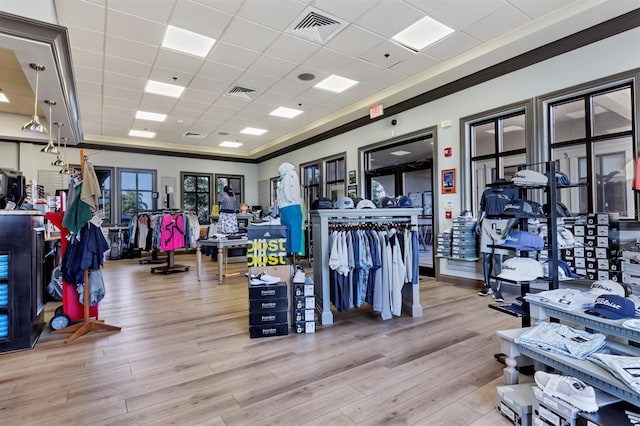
(184, 357)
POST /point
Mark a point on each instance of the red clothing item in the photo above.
(172, 233)
(636, 179)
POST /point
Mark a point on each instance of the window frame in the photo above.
(239, 192)
(154, 189)
(212, 201)
(306, 193)
(326, 162)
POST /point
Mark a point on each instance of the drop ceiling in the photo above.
(115, 48)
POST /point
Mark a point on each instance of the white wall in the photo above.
(607, 57)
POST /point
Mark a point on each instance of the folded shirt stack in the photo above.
(561, 339)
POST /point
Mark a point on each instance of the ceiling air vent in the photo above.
(316, 26)
(242, 92)
(194, 135)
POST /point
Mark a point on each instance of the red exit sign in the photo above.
(375, 111)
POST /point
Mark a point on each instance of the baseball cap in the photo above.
(356, 200)
(606, 287)
(566, 238)
(561, 179)
(321, 203)
(365, 204)
(521, 269)
(344, 203)
(523, 208)
(612, 306)
(523, 240)
(387, 202)
(405, 201)
(529, 177)
(564, 271)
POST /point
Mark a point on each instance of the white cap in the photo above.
(566, 238)
(529, 177)
(521, 269)
(607, 287)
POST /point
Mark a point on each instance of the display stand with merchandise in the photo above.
(322, 220)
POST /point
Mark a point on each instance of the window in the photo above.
(498, 149)
(591, 139)
(236, 182)
(137, 188)
(105, 179)
(310, 183)
(334, 178)
(196, 194)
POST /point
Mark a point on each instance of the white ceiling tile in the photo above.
(121, 80)
(273, 99)
(292, 49)
(451, 46)
(347, 10)
(115, 129)
(170, 76)
(153, 10)
(121, 92)
(361, 70)
(384, 79)
(353, 95)
(86, 58)
(89, 87)
(127, 67)
(537, 8)
(129, 49)
(316, 96)
(261, 109)
(256, 81)
(389, 17)
(112, 114)
(354, 41)
(133, 28)
(289, 87)
(208, 85)
(153, 102)
(496, 23)
(151, 126)
(86, 39)
(80, 14)
(218, 112)
(219, 71)
(186, 64)
(233, 55)
(230, 102)
(249, 116)
(229, 6)
(199, 19)
(387, 54)
(87, 74)
(197, 107)
(268, 65)
(459, 14)
(89, 97)
(328, 60)
(194, 95)
(427, 5)
(249, 35)
(90, 108)
(415, 65)
(276, 14)
(120, 103)
(91, 127)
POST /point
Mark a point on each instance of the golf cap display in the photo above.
(564, 272)
(612, 306)
(521, 269)
(523, 240)
(321, 203)
(356, 200)
(607, 287)
(523, 208)
(405, 201)
(387, 202)
(344, 203)
(561, 179)
(566, 238)
(529, 178)
(366, 204)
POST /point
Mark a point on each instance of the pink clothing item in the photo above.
(172, 233)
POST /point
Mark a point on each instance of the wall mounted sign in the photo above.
(352, 191)
(352, 177)
(449, 181)
(447, 152)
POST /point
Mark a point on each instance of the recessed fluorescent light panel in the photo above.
(229, 144)
(285, 112)
(163, 89)
(187, 42)
(3, 97)
(142, 134)
(151, 116)
(421, 34)
(335, 83)
(253, 131)
(400, 153)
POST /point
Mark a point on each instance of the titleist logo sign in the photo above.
(606, 302)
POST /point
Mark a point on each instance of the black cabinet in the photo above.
(21, 279)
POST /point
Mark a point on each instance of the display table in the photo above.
(584, 370)
(223, 245)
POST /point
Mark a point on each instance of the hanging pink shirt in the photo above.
(172, 233)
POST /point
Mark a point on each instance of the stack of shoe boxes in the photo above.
(631, 269)
(549, 410)
(515, 402)
(598, 258)
(464, 241)
(304, 303)
(443, 248)
(268, 310)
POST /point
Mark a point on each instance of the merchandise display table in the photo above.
(223, 245)
(584, 370)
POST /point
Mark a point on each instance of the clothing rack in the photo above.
(171, 265)
(154, 259)
(321, 221)
(88, 324)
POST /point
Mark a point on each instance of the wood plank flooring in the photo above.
(184, 357)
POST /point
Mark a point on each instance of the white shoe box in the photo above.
(554, 411)
(515, 402)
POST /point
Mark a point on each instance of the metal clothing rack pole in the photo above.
(87, 325)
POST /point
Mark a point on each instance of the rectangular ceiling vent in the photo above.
(242, 92)
(316, 26)
(194, 135)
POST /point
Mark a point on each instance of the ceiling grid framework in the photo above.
(116, 47)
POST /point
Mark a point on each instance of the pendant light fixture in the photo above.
(66, 169)
(34, 126)
(50, 148)
(58, 161)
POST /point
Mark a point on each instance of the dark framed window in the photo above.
(498, 149)
(310, 183)
(105, 176)
(196, 194)
(334, 174)
(592, 139)
(236, 182)
(137, 190)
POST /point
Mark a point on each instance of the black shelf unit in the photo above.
(22, 248)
